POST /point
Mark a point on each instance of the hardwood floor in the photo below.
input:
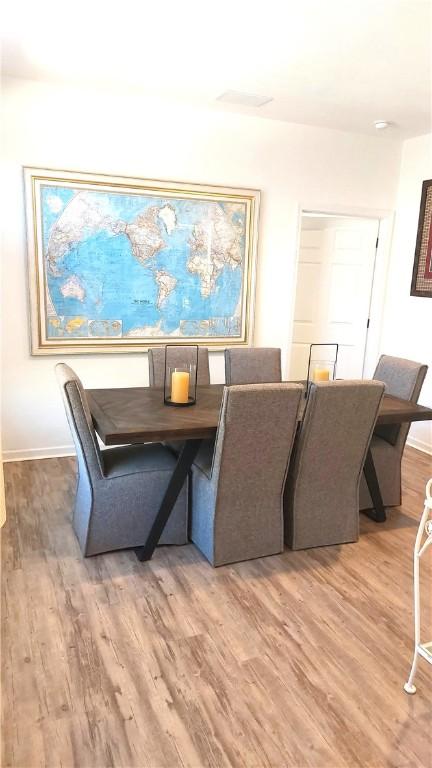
(293, 660)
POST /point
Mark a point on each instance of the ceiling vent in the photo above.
(245, 99)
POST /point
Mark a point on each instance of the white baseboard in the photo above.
(420, 445)
(26, 454)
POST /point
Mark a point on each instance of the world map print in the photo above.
(119, 265)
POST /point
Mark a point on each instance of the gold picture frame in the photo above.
(66, 209)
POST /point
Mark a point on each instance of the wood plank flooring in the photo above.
(294, 660)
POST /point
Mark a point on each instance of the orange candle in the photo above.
(179, 387)
(321, 374)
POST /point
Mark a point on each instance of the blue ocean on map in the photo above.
(99, 286)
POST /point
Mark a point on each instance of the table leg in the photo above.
(378, 513)
(181, 470)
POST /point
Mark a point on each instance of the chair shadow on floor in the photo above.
(396, 518)
(286, 562)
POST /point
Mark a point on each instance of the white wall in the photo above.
(407, 329)
(293, 165)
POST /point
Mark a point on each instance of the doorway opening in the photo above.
(335, 276)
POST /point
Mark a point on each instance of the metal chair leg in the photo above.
(409, 687)
(420, 649)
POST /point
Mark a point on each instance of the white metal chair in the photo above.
(425, 528)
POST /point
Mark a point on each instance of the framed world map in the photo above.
(119, 264)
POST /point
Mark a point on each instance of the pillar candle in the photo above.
(321, 374)
(179, 387)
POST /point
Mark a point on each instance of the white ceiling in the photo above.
(335, 63)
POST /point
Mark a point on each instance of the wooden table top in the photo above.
(138, 414)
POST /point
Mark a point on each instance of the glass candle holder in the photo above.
(322, 363)
(180, 382)
(321, 370)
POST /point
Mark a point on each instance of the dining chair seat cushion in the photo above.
(126, 501)
(204, 459)
(175, 446)
(128, 459)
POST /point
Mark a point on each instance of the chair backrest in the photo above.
(403, 378)
(80, 421)
(257, 426)
(331, 448)
(254, 365)
(178, 356)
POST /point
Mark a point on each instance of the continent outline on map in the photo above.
(213, 245)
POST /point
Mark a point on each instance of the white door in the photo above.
(334, 285)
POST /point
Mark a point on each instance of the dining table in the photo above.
(134, 415)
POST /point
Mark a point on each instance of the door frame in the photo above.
(379, 281)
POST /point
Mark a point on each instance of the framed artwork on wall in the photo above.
(118, 264)
(421, 284)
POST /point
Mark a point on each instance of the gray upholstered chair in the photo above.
(403, 378)
(119, 490)
(322, 491)
(182, 354)
(254, 365)
(179, 355)
(237, 491)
